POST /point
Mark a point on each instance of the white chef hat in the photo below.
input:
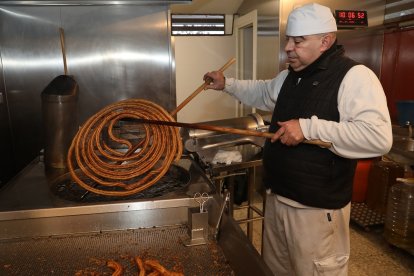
(310, 19)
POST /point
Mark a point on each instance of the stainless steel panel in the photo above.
(84, 219)
(119, 52)
(7, 168)
(114, 52)
(28, 64)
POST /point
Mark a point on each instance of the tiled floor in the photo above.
(371, 255)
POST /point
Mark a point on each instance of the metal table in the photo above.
(250, 166)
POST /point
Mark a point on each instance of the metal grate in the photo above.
(365, 217)
(88, 253)
(174, 180)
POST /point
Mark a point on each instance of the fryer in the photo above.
(43, 233)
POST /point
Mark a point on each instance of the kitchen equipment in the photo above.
(59, 113)
(382, 177)
(399, 219)
(59, 108)
(198, 228)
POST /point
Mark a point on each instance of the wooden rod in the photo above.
(200, 88)
(62, 45)
(245, 132)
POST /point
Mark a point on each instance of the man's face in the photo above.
(303, 50)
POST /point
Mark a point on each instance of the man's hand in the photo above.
(215, 80)
(289, 133)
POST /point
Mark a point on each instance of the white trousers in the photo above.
(305, 241)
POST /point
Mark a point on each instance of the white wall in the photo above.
(194, 56)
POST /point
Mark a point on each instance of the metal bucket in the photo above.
(60, 119)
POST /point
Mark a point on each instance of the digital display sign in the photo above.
(351, 18)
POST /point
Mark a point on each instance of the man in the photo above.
(323, 95)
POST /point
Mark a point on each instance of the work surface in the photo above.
(88, 253)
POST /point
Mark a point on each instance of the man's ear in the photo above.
(327, 41)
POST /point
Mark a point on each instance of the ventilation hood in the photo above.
(89, 2)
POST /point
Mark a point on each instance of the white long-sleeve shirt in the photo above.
(364, 128)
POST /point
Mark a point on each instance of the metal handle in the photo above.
(1, 98)
(217, 229)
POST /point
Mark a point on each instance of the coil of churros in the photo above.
(126, 168)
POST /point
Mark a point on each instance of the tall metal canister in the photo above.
(60, 119)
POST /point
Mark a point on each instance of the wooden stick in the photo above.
(200, 88)
(62, 46)
(245, 132)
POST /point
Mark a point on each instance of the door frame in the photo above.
(248, 20)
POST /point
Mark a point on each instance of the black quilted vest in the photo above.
(309, 174)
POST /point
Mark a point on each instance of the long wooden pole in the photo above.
(200, 88)
(62, 46)
(245, 132)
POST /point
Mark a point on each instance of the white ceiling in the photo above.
(208, 6)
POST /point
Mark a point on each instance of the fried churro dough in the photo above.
(141, 268)
(156, 266)
(118, 270)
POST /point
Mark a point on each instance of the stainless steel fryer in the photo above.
(43, 235)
